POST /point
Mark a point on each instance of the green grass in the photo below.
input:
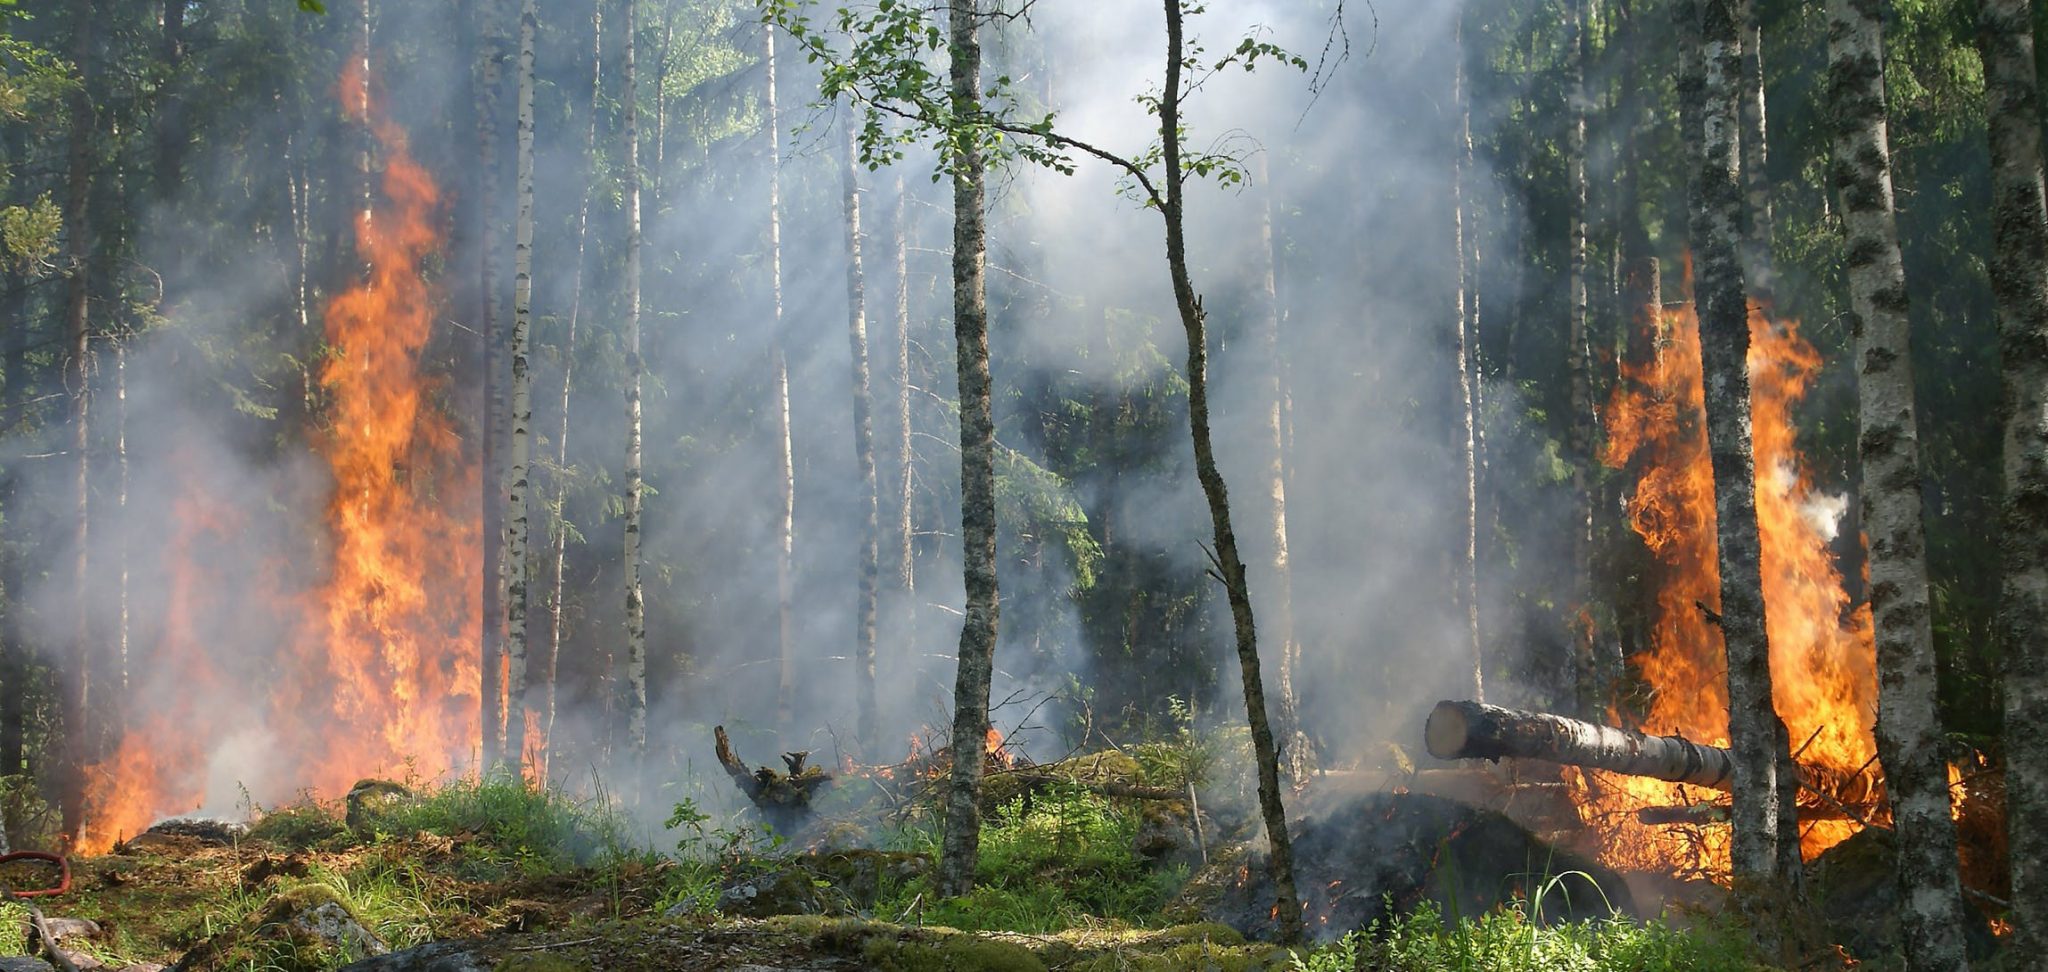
(1060, 858)
(1509, 941)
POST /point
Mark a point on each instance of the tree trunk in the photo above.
(869, 568)
(2019, 281)
(489, 70)
(170, 122)
(1464, 334)
(1475, 730)
(1908, 725)
(1640, 293)
(903, 495)
(1753, 723)
(1579, 423)
(1273, 457)
(636, 612)
(560, 539)
(785, 467)
(977, 468)
(516, 522)
(1756, 240)
(122, 526)
(1287, 913)
(78, 246)
(14, 667)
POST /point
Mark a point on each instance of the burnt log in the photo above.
(784, 799)
(1475, 730)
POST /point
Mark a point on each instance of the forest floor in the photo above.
(499, 876)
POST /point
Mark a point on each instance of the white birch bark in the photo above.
(636, 613)
(516, 521)
(2019, 281)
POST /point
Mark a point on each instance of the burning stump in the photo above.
(784, 799)
(1374, 857)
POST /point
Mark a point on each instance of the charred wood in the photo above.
(784, 799)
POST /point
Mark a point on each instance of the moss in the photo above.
(951, 953)
(538, 962)
(1208, 931)
(1194, 955)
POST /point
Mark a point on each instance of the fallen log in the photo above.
(1717, 813)
(784, 799)
(1475, 730)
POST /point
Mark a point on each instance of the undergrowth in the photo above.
(1509, 941)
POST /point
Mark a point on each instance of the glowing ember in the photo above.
(1822, 654)
(997, 755)
(381, 677)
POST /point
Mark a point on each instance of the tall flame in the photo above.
(1822, 653)
(380, 676)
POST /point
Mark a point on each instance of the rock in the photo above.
(307, 921)
(865, 876)
(208, 830)
(370, 798)
(1854, 887)
(81, 961)
(143, 967)
(66, 928)
(788, 891)
(431, 957)
(24, 963)
(1372, 857)
(1164, 834)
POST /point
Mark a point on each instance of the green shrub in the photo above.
(1508, 941)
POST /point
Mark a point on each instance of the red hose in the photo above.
(63, 872)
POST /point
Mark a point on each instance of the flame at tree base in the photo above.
(1823, 657)
(380, 676)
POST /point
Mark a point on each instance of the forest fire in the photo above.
(380, 675)
(1822, 654)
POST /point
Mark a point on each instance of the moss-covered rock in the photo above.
(305, 927)
(785, 891)
(1191, 957)
(950, 953)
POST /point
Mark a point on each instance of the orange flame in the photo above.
(1822, 653)
(997, 755)
(381, 676)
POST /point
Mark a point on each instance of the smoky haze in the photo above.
(1082, 317)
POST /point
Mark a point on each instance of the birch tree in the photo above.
(516, 522)
(1908, 726)
(1578, 377)
(903, 485)
(490, 68)
(868, 568)
(2019, 283)
(636, 612)
(560, 538)
(1753, 725)
(78, 253)
(785, 464)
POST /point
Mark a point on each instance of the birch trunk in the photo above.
(78, 247)
(1753, 725)
(2019, 281)
(904, 487)
(1273, 457)
(869, 568)
(785, 468)
(1287, 907)
(1579, 424)
(1908, 725)
(13, 650)
(636, 613)
(516, 521)
(560, 539)
(977, 467)
(489, 71)
(1756, 185)
(1463, 343)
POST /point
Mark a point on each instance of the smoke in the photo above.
(1106, 602)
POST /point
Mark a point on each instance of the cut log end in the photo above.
(1447, 734)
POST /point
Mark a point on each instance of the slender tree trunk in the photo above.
(14, 667)
(560, 539)
(977, 469)
(785, 466)
(1756, 185)
(122, 526)
(1640, 290)
(636, 614)
(170, 122)
(1753, 724)
(2019, 280)
(1908, 726)
(486, 206)
(1464, 334)
(1287, 913)
(1579, 424)
(869, 568)
(516, 522)
(904, 494)
(77, 336)
(1273, 459)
